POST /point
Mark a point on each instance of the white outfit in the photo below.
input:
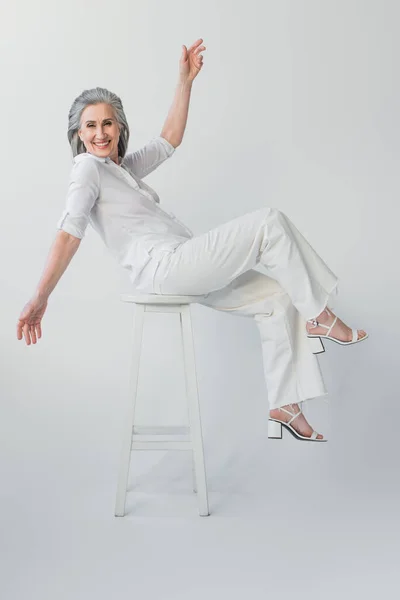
(165, 257)
(123, 210)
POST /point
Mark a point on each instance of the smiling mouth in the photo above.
(101, 145)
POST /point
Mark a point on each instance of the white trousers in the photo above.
(297, 286)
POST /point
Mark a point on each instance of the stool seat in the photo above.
(164, 438)
(159, 299)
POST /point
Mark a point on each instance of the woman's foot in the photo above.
(340, 331)
(299, 424)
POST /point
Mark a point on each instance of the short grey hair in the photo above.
(96, 96)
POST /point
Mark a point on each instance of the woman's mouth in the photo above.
(101, 144)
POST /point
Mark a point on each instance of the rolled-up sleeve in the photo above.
(146, 159)
(83, 191)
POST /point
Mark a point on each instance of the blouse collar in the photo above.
(106, 159)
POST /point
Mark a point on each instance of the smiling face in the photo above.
(100, 131)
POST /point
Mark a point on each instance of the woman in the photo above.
(163, 256)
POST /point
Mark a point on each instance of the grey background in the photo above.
(296, 107)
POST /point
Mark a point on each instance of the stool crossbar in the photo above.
(164, 437)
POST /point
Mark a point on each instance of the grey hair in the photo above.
(96, 96)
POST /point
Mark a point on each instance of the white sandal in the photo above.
(275, 428)
(319, 347)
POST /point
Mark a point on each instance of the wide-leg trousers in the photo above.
(297, 285)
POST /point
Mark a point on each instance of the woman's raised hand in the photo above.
(29, 322)
(191, 61)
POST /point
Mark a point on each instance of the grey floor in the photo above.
(287, 518)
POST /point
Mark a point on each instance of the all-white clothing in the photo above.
(296, 286)
(266, 236)
(123, 210)
(164, 257)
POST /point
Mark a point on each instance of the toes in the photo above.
(320, 437)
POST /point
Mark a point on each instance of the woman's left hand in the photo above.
(191, 61)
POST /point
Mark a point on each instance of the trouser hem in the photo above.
(333, 291)
(297, 401)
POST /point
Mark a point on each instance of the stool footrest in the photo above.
(162, 445)
(160, 430)
(161, 438)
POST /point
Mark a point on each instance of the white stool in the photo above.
(164, 438)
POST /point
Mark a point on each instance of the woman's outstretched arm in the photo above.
(83, 191)
(63, 249)
(190, 65)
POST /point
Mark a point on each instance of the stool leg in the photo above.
(126, 450)
(194, 409)
(194, 475)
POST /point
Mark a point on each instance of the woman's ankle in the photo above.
(292, 407)
(324, 316)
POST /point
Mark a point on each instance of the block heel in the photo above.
(274, 430)
(316, 344)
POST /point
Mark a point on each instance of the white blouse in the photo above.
(123, 210)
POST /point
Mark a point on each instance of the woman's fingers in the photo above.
(196, 43)
(22, 326)
(29, 322)
(199, 49)
(25, 331)
(19, 329)
(32, 332)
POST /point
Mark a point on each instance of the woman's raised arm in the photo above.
(190, 64)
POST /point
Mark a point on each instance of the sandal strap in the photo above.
(290, 413)
(318, 324)
(314, 434)
(332, 326)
